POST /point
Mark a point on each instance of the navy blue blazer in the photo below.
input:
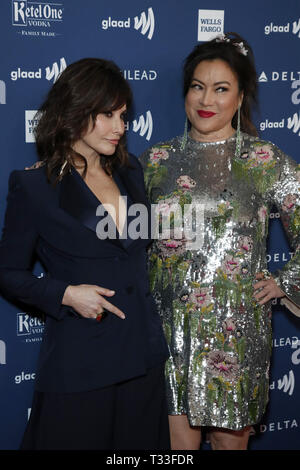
(58, 224)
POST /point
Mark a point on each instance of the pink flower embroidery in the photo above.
(231, 266)
(186, 182)
(261, 156)
(245, 243)
(228, 326)
(289, 202)
(201, 297)
(222, 364)
(169, 246)
(264, 153)
(158, 154)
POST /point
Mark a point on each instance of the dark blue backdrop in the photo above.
(149, 40)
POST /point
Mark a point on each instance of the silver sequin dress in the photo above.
(219, 336)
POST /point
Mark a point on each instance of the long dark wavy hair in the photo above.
(242, 65)
(84, 89)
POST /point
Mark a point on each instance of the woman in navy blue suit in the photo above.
(100, 379)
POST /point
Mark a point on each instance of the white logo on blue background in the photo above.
(293, 123)
(283, 28)
(263, 77)
(144, 125)
(2, 92)
(56, 70)
(28, 325)
(287, 383)
(2, 352)
(145, 23)
(25, 13)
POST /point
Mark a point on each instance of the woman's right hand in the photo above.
(88, 300)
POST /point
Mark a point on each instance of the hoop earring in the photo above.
(185, 135)
(238, 139)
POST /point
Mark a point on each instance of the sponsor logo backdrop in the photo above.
(149, 40)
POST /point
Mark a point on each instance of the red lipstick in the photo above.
(205, 114)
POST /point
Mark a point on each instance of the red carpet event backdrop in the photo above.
(149, 41)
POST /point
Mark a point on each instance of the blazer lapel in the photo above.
(79, 201)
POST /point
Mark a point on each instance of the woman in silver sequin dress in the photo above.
(214, 295)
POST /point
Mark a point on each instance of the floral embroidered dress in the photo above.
(219, 336)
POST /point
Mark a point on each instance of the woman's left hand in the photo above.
(270, 289)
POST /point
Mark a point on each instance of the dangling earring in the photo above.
(62, 169)
(185, 135)
(238, 140)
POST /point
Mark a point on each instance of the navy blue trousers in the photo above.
(127, 415)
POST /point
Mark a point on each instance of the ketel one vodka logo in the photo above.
(25, 13)
(28, 325)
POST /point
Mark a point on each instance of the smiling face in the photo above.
(212, 101)
(104, 136)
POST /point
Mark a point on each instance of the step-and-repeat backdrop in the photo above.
(149, 41)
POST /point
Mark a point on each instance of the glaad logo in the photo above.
(145, 24)
(144, 126)
(210, 24)
(2, 352)
(25, 13)
(271, 124)
(286, 384)
(19, 73)
(2, 92)
(293, 123)
(56, 71)
(24, 377)
(50, 74)
(296, 94)
(31, 121)
(294, 28)
(296, 354)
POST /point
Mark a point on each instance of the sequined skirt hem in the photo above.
(217, 424)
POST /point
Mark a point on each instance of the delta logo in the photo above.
(278, 76)
(291, 27)
(145, 23)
